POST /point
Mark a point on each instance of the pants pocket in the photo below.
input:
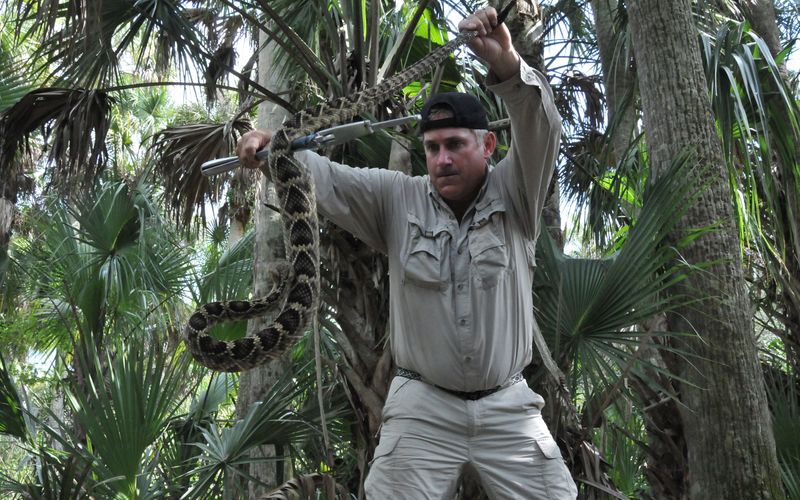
(386, 446)
(553, 471)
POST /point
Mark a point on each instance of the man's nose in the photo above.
(443, 157)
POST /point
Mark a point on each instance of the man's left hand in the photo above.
(493, 43)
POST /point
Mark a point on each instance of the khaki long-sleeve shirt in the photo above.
(461, 308)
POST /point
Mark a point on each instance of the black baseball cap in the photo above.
(468, 112)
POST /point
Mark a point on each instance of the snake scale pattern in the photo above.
(297, 287)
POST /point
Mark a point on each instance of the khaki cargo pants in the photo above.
(428, 436)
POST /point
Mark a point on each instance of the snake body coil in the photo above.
(298, 288)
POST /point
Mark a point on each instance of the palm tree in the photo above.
(677, 114)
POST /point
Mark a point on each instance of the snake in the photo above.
(296, 282)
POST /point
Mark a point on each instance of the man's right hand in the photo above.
(251, 143)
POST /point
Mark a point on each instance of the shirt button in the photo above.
(460, 286)
(462, 322)
(467, 358)
(460, 251)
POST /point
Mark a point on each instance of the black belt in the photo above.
(472, 396)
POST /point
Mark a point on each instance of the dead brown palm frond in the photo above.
(74, 124)
(306, 486)
(223, 57)
(179, 151)
(580, 100)
(84, 42)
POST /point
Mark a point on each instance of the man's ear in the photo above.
(489, 143)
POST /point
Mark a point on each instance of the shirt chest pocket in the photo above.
(426, 263)
(488, 251)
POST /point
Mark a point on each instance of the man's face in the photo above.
(457, 162)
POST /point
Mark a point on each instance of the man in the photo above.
(460, 245)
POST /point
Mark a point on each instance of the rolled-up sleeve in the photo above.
(526, 170)
(356, 199)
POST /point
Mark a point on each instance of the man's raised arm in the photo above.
(535, 123)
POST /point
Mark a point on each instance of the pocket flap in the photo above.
(548, 447)
(481, 241)
(427, 245)
(386, 445)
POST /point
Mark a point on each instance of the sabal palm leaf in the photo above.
(180, 150)
(84, 44)
(759, 121)
(126, 409)
(227, 276)
(230, 275)
(587, 308)
(276, 419)
(75, 122)
(178, 453)
(14, 420)
(106, 256)
(12, 84)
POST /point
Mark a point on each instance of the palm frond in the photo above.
(13, 86)
(125, 411)
(83, 45)
(276, 419)
(57, 477)
(230, 275)
(13, 417)
(759, 120)
(104, 256)
(179, 152)
(74, 121)
(588, 308)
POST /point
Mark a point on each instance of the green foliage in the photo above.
(276, 419)
(588, 308)
(104, 257)
(126, 408)
(13, 418)
(100, 272)
(622, 441)
(783, 391)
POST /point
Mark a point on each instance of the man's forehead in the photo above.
(444, 134)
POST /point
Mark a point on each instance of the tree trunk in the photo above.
(9, 191)
(7, 210)
(268, 248)
(240, 206)
(761, 15)
(617, 78)
(666, 447)
(726, 419)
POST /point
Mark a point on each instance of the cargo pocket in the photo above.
(549, 448)
(553, 471)
(489, 254)
(385, 448)
(424, 264)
